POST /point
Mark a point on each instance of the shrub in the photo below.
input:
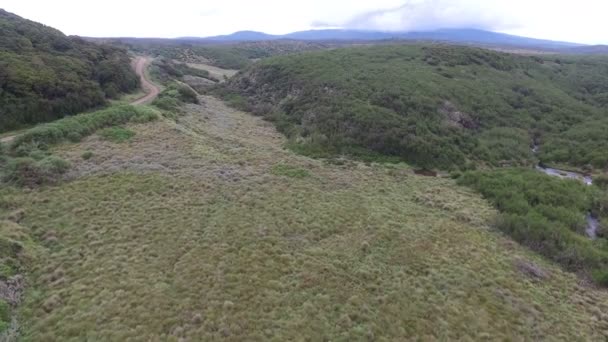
(4, 311)
(5, 315)
(601, 277)
(187, 94)
(87, 155)
(601, 181)
(172, 97)
(116, 134)
(25, 171)
(290, 171)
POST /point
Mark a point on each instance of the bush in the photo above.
(87, 155)
(290, 171)
(175, 95)
(5, 315)
(25, 171)
(116, 134)
(601, 277)
(601, 181)
(187, 94)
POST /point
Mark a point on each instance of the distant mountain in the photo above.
(471, 36)
(590, 50)
(241, 36)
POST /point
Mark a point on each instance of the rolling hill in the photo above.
(436, 106)
(45, 75)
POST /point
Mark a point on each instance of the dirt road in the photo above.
(152, 90)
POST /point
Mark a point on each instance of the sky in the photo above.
(581, 21)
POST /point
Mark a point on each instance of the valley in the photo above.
(253, 188)
(208, 228)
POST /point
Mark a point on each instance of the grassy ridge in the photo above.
(76, 127)
(436, 106)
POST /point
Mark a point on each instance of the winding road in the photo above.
(140, 64)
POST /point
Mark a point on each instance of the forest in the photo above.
(45, 75)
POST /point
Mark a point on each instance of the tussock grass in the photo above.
(216, 246)
(290, 171)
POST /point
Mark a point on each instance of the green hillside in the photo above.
(45, 75)
(433, 105)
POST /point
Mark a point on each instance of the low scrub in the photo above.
(116, 134)
(290, 171)
(5, 315)
(76, 127)
(175, 95)
(29, 172)
(546, 214)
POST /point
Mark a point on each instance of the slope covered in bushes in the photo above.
(548, 214)
(433, 105)
(45, 75)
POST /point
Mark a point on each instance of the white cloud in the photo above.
(580, 21)
(434, 14)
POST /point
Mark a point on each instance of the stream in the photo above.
(593, 223)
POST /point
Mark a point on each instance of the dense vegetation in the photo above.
(171, 99)
(436, 106)
(45, 75)
(547, 214)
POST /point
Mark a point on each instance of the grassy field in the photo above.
(207, 228)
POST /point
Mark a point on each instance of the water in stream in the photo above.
(593, 223)
(566, 174)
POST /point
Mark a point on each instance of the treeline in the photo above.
(436, 106)
(45, 75)
(227, 56)
(548, 215)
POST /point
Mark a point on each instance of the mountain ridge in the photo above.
(448, 35)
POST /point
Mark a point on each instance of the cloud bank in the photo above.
(424, 15)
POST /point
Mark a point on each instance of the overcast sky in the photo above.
(582, 21)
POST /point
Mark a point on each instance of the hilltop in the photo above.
(46, 75)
